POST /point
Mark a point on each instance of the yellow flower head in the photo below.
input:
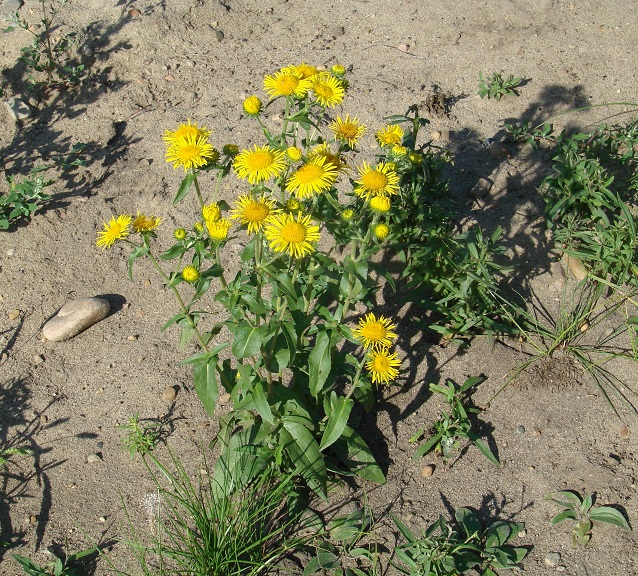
(391, 135)
(292, 234)
(190, 274)
(230, 150)
(198, 227)
(373, 333)
(328, 90)
(348, 130)
(380, 204)
(144, 223)
(347, 214)
(303, 70)
(383, 366)
(253, 212)
(211, 212)
(185, 131)
(286, 82)
(191, 151)
(179, 234)
(399, 151)
(338, 70)
(416, 158)
(323, 151)
(252, 106)
(218, 229)
(381, 231)
(116, 229)
(259, 164)
(377, 181)
(293, 153)
(314, 177)
(293, 205)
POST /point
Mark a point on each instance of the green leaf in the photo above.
(173, 252)
(248, 340)
(205, 380)
(352, 450)
(483, 447)
(134, 255)
(405, 531)
(429, 445)
(564, 515)
(322, 561)
(300, 444)
(565, 498)
(319, 363)
(468, 520)
(184, 187)
(497, 534)
(632, 320)
(609, 515)
(337, 421)
(261, 403)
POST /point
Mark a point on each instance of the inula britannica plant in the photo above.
(302, 339)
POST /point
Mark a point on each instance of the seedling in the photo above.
(452, 426)
(496, 86)
(584, 512)
(443, 551)
(6, 453)
(141, 438)
(59, 567)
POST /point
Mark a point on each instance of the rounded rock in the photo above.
(75, 317)
(169, 394)
(552, 559)
(428, 470)
(520, 429)
(93, 458)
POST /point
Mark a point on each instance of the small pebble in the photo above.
(102, 519)
(498, 151)
(435, 135)
(403, 47)
(204, 423)
(624, 431)
(132, 338)
(536, 432)
(43, 418)
(219, 35)
(522, 533)
(552, 559)
(169, 78)
(576, 268)
(169, 394)
(134, 13)
(93, 458)
(38, 359)
(11, 252)
(13, 314)
(520, 429)
(532, 468)
(428, 470)
(18, 109)
(100, 445)
(481, 188)
(337, 31)
(560, 568)
(224, 398)
(33, 519)
(147, 282)
(75, 317)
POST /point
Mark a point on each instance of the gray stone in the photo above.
(11, 6)
(552, 558)
(18, 109)
(74, 317)
(219, 35)
(481, 188)
(93, 458)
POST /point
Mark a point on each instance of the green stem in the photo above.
(178, 297)
(357, 376)
(197, 189)
(222, 280)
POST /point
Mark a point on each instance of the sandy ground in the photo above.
(197, 59)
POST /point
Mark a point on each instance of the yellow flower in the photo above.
(293, 153)
(218, 229)
(323, 151)
(328, 90)
(347, 214)
(381, 231)
(191, 151)
(253, 212)
(179, 234)
(116, 229)
(312, 178)
(286, 82)
(294, 235)
(259, 164)
(211, 212)
(144, 223)
(373, 333)
(378, 181)
(303, 70)
(391, 135)
(252, 106)
(348, 130)
(380, 203)
(338, 70)
(399, 151)
(185, 131)
(293, 205)
(190, 274)
(382, 366)
(416, 158)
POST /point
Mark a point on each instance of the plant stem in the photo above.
(197, 189)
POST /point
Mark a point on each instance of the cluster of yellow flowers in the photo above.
(377, 336)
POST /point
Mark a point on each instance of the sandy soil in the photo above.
(198, 59)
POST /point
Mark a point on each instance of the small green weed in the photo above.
(495, 86)
(46, 54)
(584, 512)
(59, 567)
(453, 425)
(141, 438)
(443, 551)
(6, 453)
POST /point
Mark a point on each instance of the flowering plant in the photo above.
(314, 220)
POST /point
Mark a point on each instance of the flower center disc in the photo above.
(293, 232)
(374, 332)
(374, 180)
(189, 152)
(348, 131)
(324, 91)
(380, 364)
(309, 173)
(259, 160)
(287, 85)
(256, 212)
